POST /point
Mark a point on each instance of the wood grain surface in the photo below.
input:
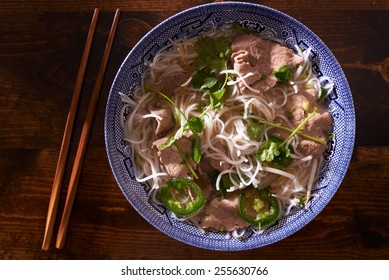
(41, 43)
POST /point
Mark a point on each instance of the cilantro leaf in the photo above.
(210, 82)
(196, 149)
(268, 151)
(201, 80)
(283, 74)
(168, 143)
(196, 124)
(213, 56)
(174, 137)
(212, 53)
(254, 130)
(198, 79)
(215, 98)
(274, 153)
(205, 45)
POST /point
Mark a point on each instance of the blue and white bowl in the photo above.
(266, 22)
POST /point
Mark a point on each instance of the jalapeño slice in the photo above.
(259, 207)
(183, 197)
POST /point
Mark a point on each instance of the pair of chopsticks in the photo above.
(80, 155)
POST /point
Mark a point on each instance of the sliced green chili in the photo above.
(183, 197)
(259, 207)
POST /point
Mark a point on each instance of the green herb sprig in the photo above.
(275, 151)
(284, 74)
(298, 132)
(213, 56)
(195, 124)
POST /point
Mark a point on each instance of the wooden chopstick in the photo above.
(60, 170)
(80, 155)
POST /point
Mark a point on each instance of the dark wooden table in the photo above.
(41, 44)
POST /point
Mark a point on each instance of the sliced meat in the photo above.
(318, 126)
(244, 64)
(222, 214)
(171, 158)
(165, 120)
(251, 54)
(298, 108)
(308, 147)
(170, 83)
